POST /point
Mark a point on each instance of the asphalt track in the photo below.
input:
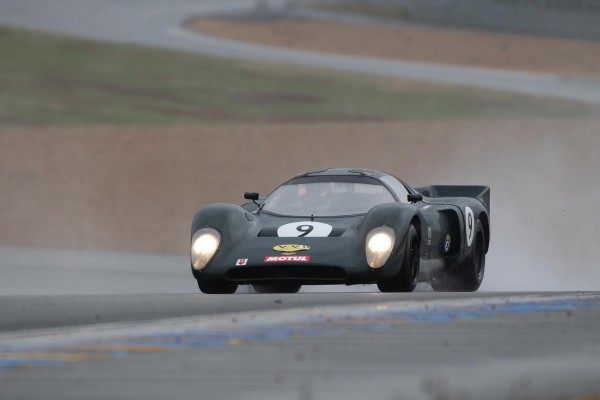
(87, 324)
(306, 346)
(94, 325)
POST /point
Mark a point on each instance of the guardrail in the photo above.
(562, 18)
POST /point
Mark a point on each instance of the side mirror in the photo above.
(251, 196)
(414, 197)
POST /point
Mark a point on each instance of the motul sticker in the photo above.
(270, 259)
(242, 262)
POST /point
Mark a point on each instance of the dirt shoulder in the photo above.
(413, 43)
(137, 188)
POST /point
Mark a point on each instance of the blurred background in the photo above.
(114, 131)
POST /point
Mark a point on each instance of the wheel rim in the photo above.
(479, 257)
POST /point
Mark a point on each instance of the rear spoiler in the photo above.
(481, 193)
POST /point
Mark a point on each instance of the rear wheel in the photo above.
(276, 288)
(216, 286)
(406, 279)
(468, 275)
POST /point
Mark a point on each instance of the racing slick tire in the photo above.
(276, 288)
(468, 275)
(406, 279)
(217, 286)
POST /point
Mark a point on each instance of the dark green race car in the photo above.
(344, 226)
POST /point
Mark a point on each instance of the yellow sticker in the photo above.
(290, 248)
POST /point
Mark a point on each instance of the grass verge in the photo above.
(57, 80)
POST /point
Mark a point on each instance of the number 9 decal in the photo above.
(304, 229)
(469, 225)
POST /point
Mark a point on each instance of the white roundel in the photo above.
(469, 225)
(304, 229)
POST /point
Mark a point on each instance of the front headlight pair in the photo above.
(379, 245)
(205, 243)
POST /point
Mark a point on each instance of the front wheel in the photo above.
(276, 288)
(468, 275)
(216, 286)
(406, 279)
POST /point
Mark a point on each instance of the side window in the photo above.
(397, 187)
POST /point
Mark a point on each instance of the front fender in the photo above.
(397, 216)
(233, 221)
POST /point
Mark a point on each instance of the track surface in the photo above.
(97, 343)
(41, 312)
(398, 346)
(162, 342)
(158, 23)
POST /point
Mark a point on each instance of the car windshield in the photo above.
(327, 196)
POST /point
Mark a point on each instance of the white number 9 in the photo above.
(469, 225)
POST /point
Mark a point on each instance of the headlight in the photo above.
(205, 243)
(379, 245)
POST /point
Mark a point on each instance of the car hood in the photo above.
(283, 226)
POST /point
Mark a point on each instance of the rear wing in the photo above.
(481, 193)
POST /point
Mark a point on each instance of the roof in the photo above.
(345, 171)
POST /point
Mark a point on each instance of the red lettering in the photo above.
(270, 259)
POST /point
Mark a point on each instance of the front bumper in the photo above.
(337, 260)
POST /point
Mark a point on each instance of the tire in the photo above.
(276, 288)
(217, 286)
(468, 275)
(406, 279)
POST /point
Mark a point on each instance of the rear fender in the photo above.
(479, 192)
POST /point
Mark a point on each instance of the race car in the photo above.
(344, 226)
